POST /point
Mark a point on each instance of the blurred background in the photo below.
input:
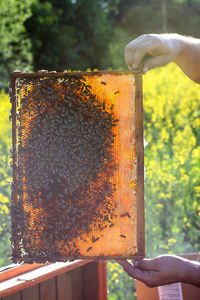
(82, 34)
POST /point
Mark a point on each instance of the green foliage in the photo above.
(5, 177)
(70, 34)
(172, 161)
(15, 47)
(120, 285)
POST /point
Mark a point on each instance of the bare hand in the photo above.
(152, 50)
(164, 269)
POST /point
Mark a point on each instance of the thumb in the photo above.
(154, 62)
(133, 272)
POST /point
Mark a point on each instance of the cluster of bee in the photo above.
(64, 161)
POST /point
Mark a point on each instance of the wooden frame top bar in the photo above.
(71, 73)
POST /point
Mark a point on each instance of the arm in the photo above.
(154, 50)
(164, 269)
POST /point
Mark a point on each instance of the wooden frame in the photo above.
(139, 149)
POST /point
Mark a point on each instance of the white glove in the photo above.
(152, 50)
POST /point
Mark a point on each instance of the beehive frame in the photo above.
(18, 253)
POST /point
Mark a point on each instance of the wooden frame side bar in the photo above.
(140, 165)
(13, 98)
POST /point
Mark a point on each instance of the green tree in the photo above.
(70, 34)
(15, 47)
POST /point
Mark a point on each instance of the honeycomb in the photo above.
(77, 188)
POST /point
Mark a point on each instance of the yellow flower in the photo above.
(162, 195)
(5, 209)
(171, 241)
(179, 202)
(159, 205)
(194, 205)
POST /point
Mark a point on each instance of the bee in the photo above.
(122, 236)
(43, 71)
(76, 252)
(125, 215)
(17, 71)
(95, 239)
(89, 249)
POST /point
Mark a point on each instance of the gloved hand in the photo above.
(152, 50)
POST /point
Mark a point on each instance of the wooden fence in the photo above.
(79, 280)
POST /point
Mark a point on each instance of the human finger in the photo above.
(134, 54)
(139, 56)
(124, 263)
(134, 272)
(129, 51)
(147, 264)
(156, 61)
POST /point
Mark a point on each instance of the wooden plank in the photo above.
(48, 289)
(90, 281)
(64, 286)
(140, 166)
(15, 234)
(144, 292)
(19, 270)
(102, 279)
(95, 281)
(31, 293)
(77, 284)
(190, 292)
(15, 296)
(28, 279)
